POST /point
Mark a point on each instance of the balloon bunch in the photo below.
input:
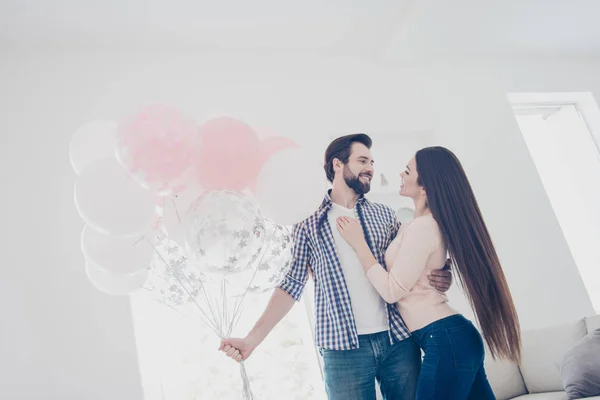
(196, 215)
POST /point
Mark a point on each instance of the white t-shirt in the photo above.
(367, 305)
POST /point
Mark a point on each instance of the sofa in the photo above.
(538, 376)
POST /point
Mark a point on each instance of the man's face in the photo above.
(358, 171)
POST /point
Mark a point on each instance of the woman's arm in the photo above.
(419, 241)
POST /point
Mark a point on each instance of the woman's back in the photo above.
(417, 250)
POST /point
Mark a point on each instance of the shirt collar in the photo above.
(327, 202)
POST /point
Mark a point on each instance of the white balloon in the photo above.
(115, 284)
(94, 141)
(291, 186)
(116, 254)
(110, 201)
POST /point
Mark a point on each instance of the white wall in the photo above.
(63, 340)
(60, 338)
(475, 119)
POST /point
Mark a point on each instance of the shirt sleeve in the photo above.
(294, 281)
(419, 240)
(394, 228)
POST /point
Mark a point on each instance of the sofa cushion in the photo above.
(592, 323)
(580, 368)
(504, 377)
(543, 350)
(544, 396)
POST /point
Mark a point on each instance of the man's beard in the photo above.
(355, 183)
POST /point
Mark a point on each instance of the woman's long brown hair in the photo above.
(455, 209)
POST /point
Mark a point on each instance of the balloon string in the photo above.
(238, 305)
(214, 328)
(176, 210)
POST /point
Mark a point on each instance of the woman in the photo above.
(447, 220)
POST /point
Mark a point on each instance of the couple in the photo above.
(379, 287)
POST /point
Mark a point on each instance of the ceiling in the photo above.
(507, 28)
(405, 30)
(224, 25)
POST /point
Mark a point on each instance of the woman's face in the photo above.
(409, 186)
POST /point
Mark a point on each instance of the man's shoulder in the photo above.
(381, 208)
(307, 223)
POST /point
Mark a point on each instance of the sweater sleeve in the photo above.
(419, 240)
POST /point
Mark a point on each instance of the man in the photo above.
(362, 339)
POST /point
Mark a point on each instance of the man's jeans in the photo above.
(351, 374)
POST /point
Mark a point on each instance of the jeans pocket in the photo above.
(467, 346)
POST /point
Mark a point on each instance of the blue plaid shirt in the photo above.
(335, 328)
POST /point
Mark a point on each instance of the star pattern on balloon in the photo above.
(224, 232)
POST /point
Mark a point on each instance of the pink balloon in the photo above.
(265, 132)
(272, 145)
(228, 154)
(156, 147)
(269, 147)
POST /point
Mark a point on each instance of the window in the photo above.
(558, 130)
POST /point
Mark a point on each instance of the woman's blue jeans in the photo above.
(452, 367)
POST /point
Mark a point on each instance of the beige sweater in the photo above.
(417, 250)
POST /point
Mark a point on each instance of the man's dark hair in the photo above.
(340, 148)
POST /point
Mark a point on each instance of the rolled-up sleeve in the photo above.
(295, 280)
